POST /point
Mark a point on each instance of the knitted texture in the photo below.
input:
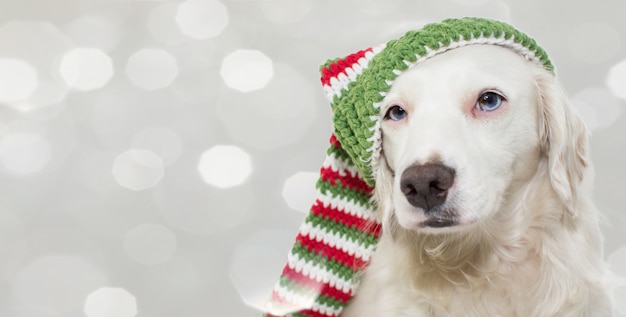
(336, 241)
(339, 235)
(355, 98)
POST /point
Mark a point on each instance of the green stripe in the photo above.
(301, 290)
(359, 198)
(348, 233)
(339, 153)
(329, 301)
(321, 261)
(296, 288)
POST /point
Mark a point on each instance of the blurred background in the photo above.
(158, 157)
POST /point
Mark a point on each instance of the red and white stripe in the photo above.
(345, 71)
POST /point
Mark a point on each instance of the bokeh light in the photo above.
(57, 283)
(24, 152)
(279, 115)
(138, 169)
(299, 190)
(202, 211)
(162, 141)
(162, 24)
(616, 80)
(110, 302)
(256, 262)
(46, 104)
(152, 69)
(18, 80)
(83, 28)
(202, 19)
(150, 244)
(40, 44)
(86, 68)
(285, 11)
(587, 113)
(600, 32)
(225, 166)
(606, 107)
(246, 70)
(179, 274)
(108, 108)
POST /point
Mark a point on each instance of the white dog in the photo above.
(484, 195)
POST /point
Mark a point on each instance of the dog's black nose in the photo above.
(426, 186)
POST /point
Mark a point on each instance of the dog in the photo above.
(484, 194)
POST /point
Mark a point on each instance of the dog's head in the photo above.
(463, 129)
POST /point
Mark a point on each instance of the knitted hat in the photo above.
(339, 236)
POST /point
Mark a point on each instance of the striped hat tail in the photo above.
(336, 240)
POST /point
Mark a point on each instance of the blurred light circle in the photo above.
(588, 52)
(606, 106)
(299, 191)
(110, 302)
(40, 44)
(86, 68)
(202, 19)
(138, 169)
(256, 262)
(24, 152)
(587, 113)
(178, 274)
(152, 69)
(18, 80)
(150, 244)
(616, 80)
(187, 205)
(162, 24)
(56, 283)
(46, 104)
(246, 70)
(227, 210)
(279, 115)
(285, 11)
(83, 28)
(162, 141)
(225, 166)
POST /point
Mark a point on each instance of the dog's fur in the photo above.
(526, 240)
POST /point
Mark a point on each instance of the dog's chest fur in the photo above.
(476, 285)
(480, 276)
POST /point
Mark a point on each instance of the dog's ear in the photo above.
(564, 139)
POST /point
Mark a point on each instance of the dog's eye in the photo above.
(395, 113)
(489, 101)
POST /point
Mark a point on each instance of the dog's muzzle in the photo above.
(426, 187)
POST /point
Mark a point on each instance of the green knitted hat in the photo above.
(355, 99)
(339, 236)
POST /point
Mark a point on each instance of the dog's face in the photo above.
(463, 128)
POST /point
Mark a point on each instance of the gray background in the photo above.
(114, 199)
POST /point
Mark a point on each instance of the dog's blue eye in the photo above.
(395, 113)
(489, 101)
